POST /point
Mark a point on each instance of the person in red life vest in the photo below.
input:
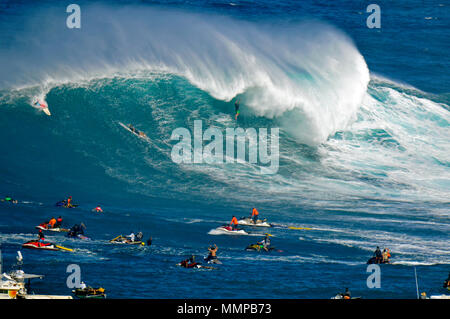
(254, 215)
(98, 209)
(58, 222)
(189, 263)
(234, 223)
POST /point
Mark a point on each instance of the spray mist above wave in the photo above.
(309, 76)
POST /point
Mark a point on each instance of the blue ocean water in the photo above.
(364, 143)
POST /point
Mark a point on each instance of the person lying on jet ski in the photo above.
(265, 243)
(212, 253)
(189, 263)
(76, 230)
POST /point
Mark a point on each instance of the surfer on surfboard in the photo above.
(236, 108)
(42, 105)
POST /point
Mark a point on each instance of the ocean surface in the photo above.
(364, 144)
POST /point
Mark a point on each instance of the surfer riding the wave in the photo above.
(136, 131)
(236, 109)
(43, 106)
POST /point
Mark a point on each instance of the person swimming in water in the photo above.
(212, 253)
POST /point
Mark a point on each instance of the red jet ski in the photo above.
(36, 244)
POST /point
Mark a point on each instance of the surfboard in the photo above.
(135, 133)
(46, 111)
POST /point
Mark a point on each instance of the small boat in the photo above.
(16, 284)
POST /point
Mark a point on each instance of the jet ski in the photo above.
(90, 293)
(212, 260)
(342, 296)
(375, 260)
(36, 244)
(248, 221)
(44, 226)
(229, 230)
(193, 265)
(63, 204)
(124, 240)
(79, 236)
(258, 247)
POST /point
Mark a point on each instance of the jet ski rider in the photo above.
(234, 223)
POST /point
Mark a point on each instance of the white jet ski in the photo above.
(229, 231)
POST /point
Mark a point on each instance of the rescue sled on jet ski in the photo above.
(44, 226)
(192, 264)
(259, 247)
(248, 221)
(124, 240)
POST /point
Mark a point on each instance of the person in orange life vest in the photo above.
(254, 215)
(52, 222)
(234, 223)
(69, 202)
